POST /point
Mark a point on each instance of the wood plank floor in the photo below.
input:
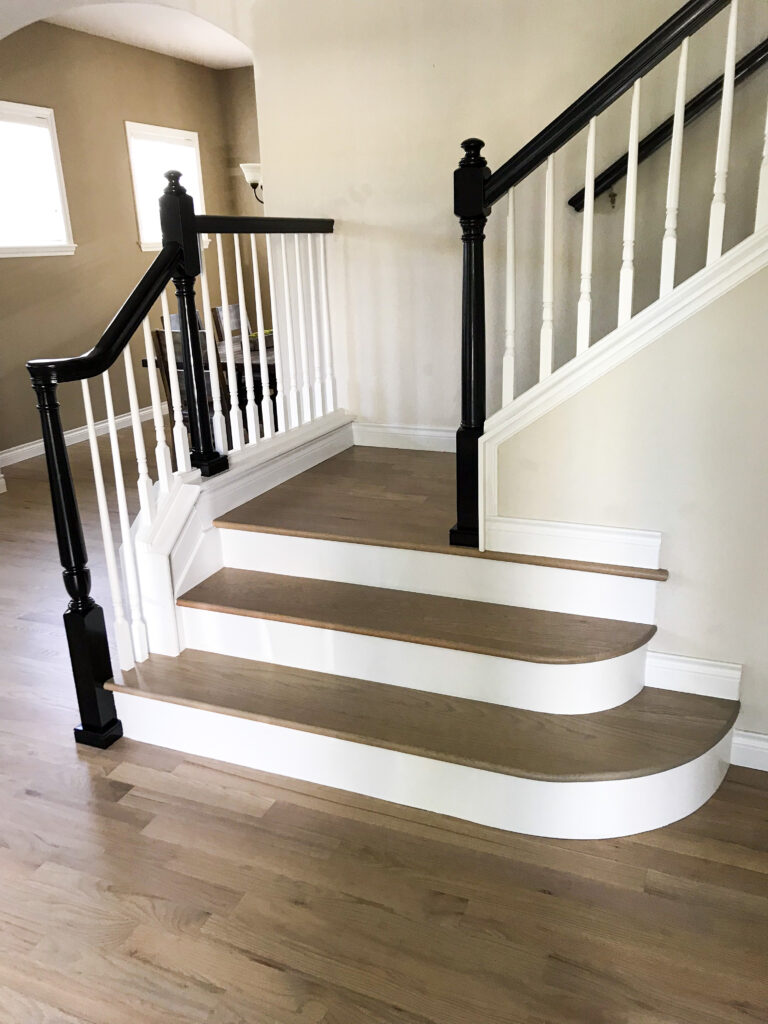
(655, 731)
(140, 886)
(388, 497)
(525, 634)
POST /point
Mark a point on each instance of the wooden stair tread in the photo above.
(387, 497)
(524, 634)
(655, 731)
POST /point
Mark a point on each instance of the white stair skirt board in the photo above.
(30, 450)
(429, 572)
(558, 810)
(693, 675)
(560, 689)
(750, 750)
(613, 545)
(386, 435)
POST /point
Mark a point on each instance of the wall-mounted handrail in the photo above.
(120, 331)
(215, 225)
(695, 107)
(658, 45)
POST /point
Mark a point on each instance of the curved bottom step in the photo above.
(595, 777)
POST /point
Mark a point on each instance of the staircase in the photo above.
(339, 640)
(286, 601)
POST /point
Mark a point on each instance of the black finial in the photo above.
(174, 186)
(472, 149)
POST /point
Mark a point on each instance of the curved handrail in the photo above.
(120, 331)
(658, 45)
(695, 107)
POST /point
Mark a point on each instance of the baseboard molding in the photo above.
(750, 750)
(386, 435)
(609, 544)
(30, 450)
(693, 675)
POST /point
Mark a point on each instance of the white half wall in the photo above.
(676, 440)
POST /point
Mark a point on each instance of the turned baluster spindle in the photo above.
(267, 418)
(162, 451)
(547, 334)
(179, 431)
(627, 273)
(294, 418)
(251, 411)
(281, 415)
(235, 418)
(584, 313)
(717, 210)
(317, 385)
(669, 244)
(218, 420)
(144, 482)
(508, 362)
(329, 378)
(761, 213)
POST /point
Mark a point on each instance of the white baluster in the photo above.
(584, 314)
(306, 391)
(669, 245)
(266, 403)
(627, 274)
(218, 421)
(293, 392)
(546, 339)
(144, 484)
(280, 406)
(122, 629)
(162, 451)
(251, 412)
(508, 362)
(717, 211)
(317, 387)
(180, 439)
(329, 382)
(235, 419)
(761, 214)
(138, 626)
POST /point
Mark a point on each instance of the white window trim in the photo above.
(24, 113)
(137, 130)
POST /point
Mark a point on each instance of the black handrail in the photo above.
(262, 225)
(659, 44)
(120, 331)
(695, 107)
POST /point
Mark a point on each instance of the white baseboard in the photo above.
(30, 450)
(609, 544)
(750, 750)
(386, 435)
(693, 675)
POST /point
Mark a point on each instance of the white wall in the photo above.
(676, 440)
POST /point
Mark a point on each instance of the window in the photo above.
(34, 220)
(153, 151)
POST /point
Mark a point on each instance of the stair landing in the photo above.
(387, 497)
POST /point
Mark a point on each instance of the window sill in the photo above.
(64, 249)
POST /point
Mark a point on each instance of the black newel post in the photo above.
(471, 209)
(177, 219)
(83, 619)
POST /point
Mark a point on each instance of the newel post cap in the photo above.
(174, 186)
(472, 157)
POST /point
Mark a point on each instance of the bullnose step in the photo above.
(522, 634)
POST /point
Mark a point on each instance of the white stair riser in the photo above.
(560, 689)
(559, 810)
(428, 572)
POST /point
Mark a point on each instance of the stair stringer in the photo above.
(643, 330)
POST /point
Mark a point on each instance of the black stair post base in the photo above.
(209, 465)
(103, 739)
(463, 537)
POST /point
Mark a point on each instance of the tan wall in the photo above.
(674, 440)
(57, 306)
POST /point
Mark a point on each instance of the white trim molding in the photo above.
(750, 750)
(693, 675)
(387, 435)
(556, 809)
(612, 545)
(30, 450)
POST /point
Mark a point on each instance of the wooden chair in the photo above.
(237, 345)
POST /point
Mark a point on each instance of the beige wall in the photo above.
(674, 440)
(58, 306)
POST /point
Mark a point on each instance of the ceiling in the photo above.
(162, 29)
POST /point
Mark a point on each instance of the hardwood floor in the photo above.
(140, 886)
